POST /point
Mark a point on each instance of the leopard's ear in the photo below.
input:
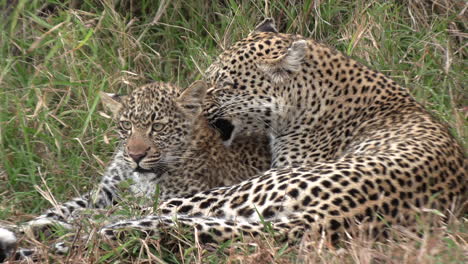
(267, 25)
(223, 82)
(112, 102)
(191, 99)
(280, 68)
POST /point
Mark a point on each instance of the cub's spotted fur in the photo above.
(165, 141)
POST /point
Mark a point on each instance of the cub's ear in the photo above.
(280, 67)
(267, 25)
(191, 99)
(112, 102)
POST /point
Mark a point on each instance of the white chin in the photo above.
(132, 164)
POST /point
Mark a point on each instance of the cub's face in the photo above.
(155, 123)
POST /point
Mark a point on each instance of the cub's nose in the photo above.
(137, 155)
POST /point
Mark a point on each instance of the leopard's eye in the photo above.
(126, 125)
(158, 127)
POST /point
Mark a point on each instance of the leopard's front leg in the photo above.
(106, 194)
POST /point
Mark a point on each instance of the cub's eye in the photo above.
(126, 125)
(158, 127)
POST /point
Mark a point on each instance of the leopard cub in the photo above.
(165, 141)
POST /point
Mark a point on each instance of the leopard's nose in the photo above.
(137, 156)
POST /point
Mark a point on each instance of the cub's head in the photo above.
(156, 122)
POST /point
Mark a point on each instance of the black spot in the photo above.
(145, 223)
(303, 185)
(337, 201)
(336, 190)
(175, 203)
(386, 208)
(334, 225)
(351, 203)
(165, 211)
(268, 212)
(185, 209)
(353, 192)
(417, 203)
(196, 199)
(50, 215)
(216, 232)
(369, 212)
(325, 196)
(336, 177)
(108, 193)
(282, 186)
(258, 188)
(316, 191)
(246, 212)
(362, 200)
(293, 193)
(359, 218)
(309, 219)
(207, 203)
(306, 201)
(344, 183)
(334, 212)
(326, 184)
(256, 198)
(206, 238)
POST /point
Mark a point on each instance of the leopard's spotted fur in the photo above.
(350, 146)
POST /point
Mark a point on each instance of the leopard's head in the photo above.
(156, 122)
(249, 79)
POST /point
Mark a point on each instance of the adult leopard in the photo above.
(165, 141)
(350, 146)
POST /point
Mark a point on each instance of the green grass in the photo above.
(55, 56)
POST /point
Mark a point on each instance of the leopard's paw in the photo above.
(7, 243)
(43, 225)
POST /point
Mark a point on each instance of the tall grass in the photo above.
(56, 55)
